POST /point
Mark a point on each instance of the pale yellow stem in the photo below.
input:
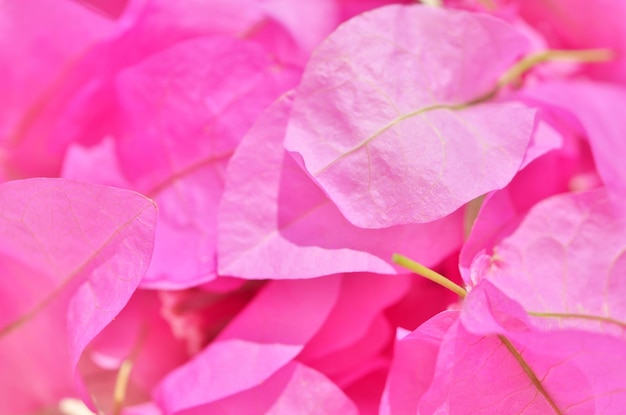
(429, 274)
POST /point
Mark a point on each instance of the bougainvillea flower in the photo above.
(274, 222)
(71, 255)
(400, 141)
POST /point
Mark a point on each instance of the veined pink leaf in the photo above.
(494, 361)
(71, 255)
(564, 263)
(262, 339)
(413, 367)
(383, 120)
(274, 222)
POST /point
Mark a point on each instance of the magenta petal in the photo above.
(375, 124)
(598, 107)
(274, 222)
(565, 25)
(110, 8)
(71, 255)
(263, 338)
(413, 367)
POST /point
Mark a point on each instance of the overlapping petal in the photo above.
(275, 223)
(71, 255)
(384, 122)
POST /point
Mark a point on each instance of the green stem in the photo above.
(429, 274)
(528, 62)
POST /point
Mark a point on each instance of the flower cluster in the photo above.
(221, 206)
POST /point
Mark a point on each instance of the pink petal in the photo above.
(568, 264)
(263, 338)
(598, 107)
(274, 222)
(110, 8)
(40, 43)
(576, 372)
(362, 298)
(71, 256)
(139, 333)
(569, 168)
(294, 389)
(565, 25)
(182, 120)
(394, 75)
(413, 366)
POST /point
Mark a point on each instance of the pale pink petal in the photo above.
(376, 123)
(71, 256)
(294, 389)
(569, 168)
(567, 258)
(263, 338)
(274, 222)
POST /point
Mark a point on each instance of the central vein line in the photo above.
(530, 373)
(462, 292)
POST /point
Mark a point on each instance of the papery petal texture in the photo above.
(274, 222)
(548, 266)
(71, 255)
(495, 361)
(383, 122)
(597, 106)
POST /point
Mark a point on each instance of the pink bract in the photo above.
(384, 123)
(71, 256)
(274, 222)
